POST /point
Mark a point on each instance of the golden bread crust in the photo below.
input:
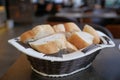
(71, 27)
(93, 32)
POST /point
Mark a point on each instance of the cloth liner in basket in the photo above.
(68, 64)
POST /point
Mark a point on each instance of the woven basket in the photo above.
(64, 68)
(68, 64)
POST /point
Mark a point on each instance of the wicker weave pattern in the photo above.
(64, 67)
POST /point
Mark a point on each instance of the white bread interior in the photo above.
(59, 28)
(81, 39)
(92, 31)
(51, 44)
(71, 27)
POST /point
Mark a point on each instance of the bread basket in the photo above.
(68, 64)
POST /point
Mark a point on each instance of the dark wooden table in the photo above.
(106, 66)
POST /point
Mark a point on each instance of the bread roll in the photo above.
(71, 27)
(51, 44)
(92, 31)
(59, 28)
(81, 39)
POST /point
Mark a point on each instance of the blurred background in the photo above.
(102, 12)
(18, 16)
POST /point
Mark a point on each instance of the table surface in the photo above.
(106, 66)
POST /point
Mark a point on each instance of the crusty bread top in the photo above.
(71, 27)
(81, 39)
(92, 31)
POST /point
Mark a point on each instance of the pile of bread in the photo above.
(49, 39)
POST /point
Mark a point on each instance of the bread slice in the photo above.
(70, 47)
(81, 39)
(59, 28)
(71, 27)
(27, 36)
(37, 32)
(51, 44)
(41, 31)
(92, 31)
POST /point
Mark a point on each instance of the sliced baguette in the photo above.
(37, 32)
(51, 44)
(92, 31)
(41, 31)
(81, 39)
(59, 28)
(71, 27)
